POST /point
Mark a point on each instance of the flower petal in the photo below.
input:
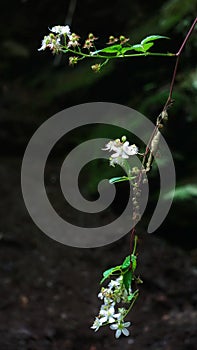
(127, 324)
(125, 332)
(114, 326)
(118, 333)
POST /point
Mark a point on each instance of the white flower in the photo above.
(120, 328)
(120, 153)
(112, 145)
(121, 149)
(52, 43)
(100, 295)
(120, 314)
(125, 151)
(107, 314)
(97, 324)
(61, 30)
(73, 40)
(112, 284)
(108, 301)
(130, 150)
(45, 42)
(105, 294)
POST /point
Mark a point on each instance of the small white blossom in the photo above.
(100, 296)
(120, 328)
(113, 283)
(125, 151)
(120, 153)
(97, 324)
(108, 301)
(122, 150)
(130, 150)
(73, 40)
(112, 145)
(52, 43)
(45, 42)
(61, 30)
(121, 313)
(107, 314)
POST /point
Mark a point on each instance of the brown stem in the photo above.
(178, 54)
(167, 104)
(187, 37)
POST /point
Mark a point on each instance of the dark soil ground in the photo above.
(48, 295)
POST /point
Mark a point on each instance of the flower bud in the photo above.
(73, 60)
(112, 40)
(91, 37)
(123, 138)
(96, 67)
(122, 38)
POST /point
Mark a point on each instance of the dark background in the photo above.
(49, 291)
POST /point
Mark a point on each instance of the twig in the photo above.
(159, 121)
(178, 54)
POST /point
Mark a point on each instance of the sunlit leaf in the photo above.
(152, 38)
(126, 49)
(133, 295)
(147, 46)
(109, 272)
(112, 49)
(120, 179)
(126, 263)
(134, 262)
(142, 48)
(130, 297)
(138, 48)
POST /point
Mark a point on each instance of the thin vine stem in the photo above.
(178, 54)
(144, 54)
(166, 106)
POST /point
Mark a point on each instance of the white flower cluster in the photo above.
(52, 41)
(122, 150)
(115, 293)
(61, 30)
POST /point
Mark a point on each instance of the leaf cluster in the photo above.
(121, 50)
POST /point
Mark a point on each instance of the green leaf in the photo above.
(130, 297)
(142, 48)
(126, 262)
(138, 48)
(109, 272)
(125, 49)
(133, 295)
(120, 179)
(153, 37)
(112, 49)
(147, 46)
(127, 279)
(134, 262)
